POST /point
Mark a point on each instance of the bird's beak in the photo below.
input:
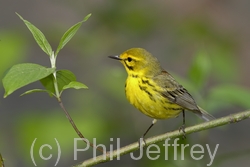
(116, 57)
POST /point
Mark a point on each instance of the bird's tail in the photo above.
(204, 115)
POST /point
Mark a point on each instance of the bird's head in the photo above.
(138, 61)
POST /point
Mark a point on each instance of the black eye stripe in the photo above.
(129, 59)
(129, 67)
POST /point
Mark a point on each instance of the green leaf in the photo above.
(23, 74)
(48, 83)
(75, 85)
(200, 69)
(65, 80)
(69, 34)
(37, 90)
(64, 77)
(225, 95)
(39, 37)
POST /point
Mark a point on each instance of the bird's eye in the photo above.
(129, 59)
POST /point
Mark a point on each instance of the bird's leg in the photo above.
(142, 138)
(182, 128)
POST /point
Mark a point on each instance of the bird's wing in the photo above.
(175, 92)
(181, 97)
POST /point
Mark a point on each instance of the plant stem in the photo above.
(173, 134)
(57, 95)
(53, 65)
(75, 127)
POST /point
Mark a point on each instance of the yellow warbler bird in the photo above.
(153, 91)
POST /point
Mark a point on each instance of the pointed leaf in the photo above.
(69, 34)
(65, 80)
(75, 85)
(37, 90)
(48, 83)
(64, 77)
(39, 37)
(23, 74)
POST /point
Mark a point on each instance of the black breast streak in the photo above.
(146, 82)
(134, 76)
(144, 88)
(126, 88)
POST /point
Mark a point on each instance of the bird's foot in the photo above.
(182, 129)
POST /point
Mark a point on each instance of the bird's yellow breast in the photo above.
(144, 94)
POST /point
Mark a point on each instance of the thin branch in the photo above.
(156, 139)
(75, 127)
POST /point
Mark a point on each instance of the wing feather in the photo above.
(175, 92)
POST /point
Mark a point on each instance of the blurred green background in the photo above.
(204, 44)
